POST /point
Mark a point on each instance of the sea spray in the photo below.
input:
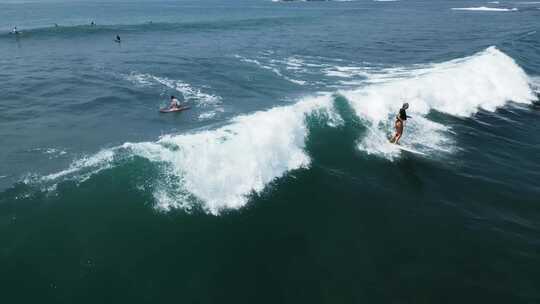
(461, 87)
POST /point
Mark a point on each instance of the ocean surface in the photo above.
(278, 185)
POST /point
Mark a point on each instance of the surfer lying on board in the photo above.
(175, 103)
(400, 123)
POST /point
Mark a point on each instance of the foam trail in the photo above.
(485, 9)
(270, 68)
(460, 87)
(188, 91)
(51, 152)
(89, 165)
(210, 114)
(346, 72)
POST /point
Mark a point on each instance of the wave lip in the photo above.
(485, 9)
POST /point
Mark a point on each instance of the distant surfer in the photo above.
(92, 23)
(118, 39)
(15, 31)
(400, 123)
(175, 103)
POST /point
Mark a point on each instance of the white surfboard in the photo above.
(409, 150)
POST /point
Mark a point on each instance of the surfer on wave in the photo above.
(400, 123)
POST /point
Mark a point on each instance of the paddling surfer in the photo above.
(175, 103)
(400, 123)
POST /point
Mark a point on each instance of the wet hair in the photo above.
(172, 96)
(405, 105)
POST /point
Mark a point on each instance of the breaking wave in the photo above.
(220, 168)
(461, 87)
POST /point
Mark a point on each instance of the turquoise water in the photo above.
(278, 185)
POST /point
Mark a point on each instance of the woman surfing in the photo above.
(400, 123)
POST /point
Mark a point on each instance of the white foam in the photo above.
(535, 84)
(210, 114)
(270, 68)
(486, 80)
(84, 167)
(365, 75)
(55, 151)
(295, 63)
(51, 152)
(221, 167)
(485, 9)
(189, 92)
(348, 72)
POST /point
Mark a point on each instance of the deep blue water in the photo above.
(278, 184)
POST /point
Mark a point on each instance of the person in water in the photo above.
(15, 31)
(175, 103)
(400, 123)
(118, 38)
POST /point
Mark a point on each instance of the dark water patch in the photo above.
(356, 232)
